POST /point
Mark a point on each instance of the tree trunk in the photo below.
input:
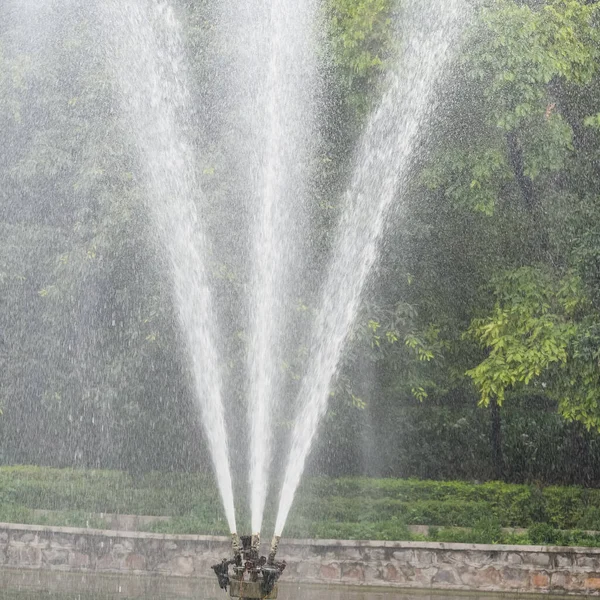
(538, 236)
(496, 438)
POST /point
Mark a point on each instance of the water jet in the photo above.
(146, 53)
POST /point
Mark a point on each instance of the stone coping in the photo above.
(323, 543)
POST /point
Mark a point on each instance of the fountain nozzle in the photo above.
(274, 548)
(253, 576)
(235, 545)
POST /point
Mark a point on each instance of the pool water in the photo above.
(36, 585)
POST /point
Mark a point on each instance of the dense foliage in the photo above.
(477, 352)
(348, 508)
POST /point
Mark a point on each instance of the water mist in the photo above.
(381, 171)
(146, 54)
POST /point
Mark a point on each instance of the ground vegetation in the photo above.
(326, 508)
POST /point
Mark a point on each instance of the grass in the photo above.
(349, 508)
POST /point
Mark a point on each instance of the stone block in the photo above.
(405, 557)
(79, 560)
(560, 580)
(478, 557)
(515, 579)
(301, 553)
(401, 573)
(588, 561)
(55, 557)
(135, 562)
(83, 543)
(61, 542)
(376, 555)
(539, 580)
(353, 572)
(41, 543)
(539, 559)
(163, 569)
(330, 572)
(306, 569)
(291, 569)
(187, 549)
(391, 574)
(108, 562)
(445, 576)
(26, 538)
(154, 545)
(408, 573)
(182, 565)
(123, 548)
(490, 577)
(563, 560)
(425, 557)
(592, 582)
(486, 577)
(353, 554)
(12, 556)
(23, 556)
(577, 580)
(513, 558)
(373, 574)
(423, 576)
(202, 564)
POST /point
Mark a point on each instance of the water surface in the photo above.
(34, 585)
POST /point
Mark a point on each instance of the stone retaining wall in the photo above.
(401, 564)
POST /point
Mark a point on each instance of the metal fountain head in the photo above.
(253, 576)
(274, 548)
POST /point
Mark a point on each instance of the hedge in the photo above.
(336, 505)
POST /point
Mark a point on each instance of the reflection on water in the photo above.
(34, 585)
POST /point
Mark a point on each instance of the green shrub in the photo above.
(15, 513)
(544, 533)
(564, 506)
(590, 518)
(352, 508)
(488, 531)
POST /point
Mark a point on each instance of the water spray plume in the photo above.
(148, 60)
(285, 117)
(274, 75)
(383, 163)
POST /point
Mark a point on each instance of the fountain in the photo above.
(382, 167)
(155, 96)
(277, 113)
